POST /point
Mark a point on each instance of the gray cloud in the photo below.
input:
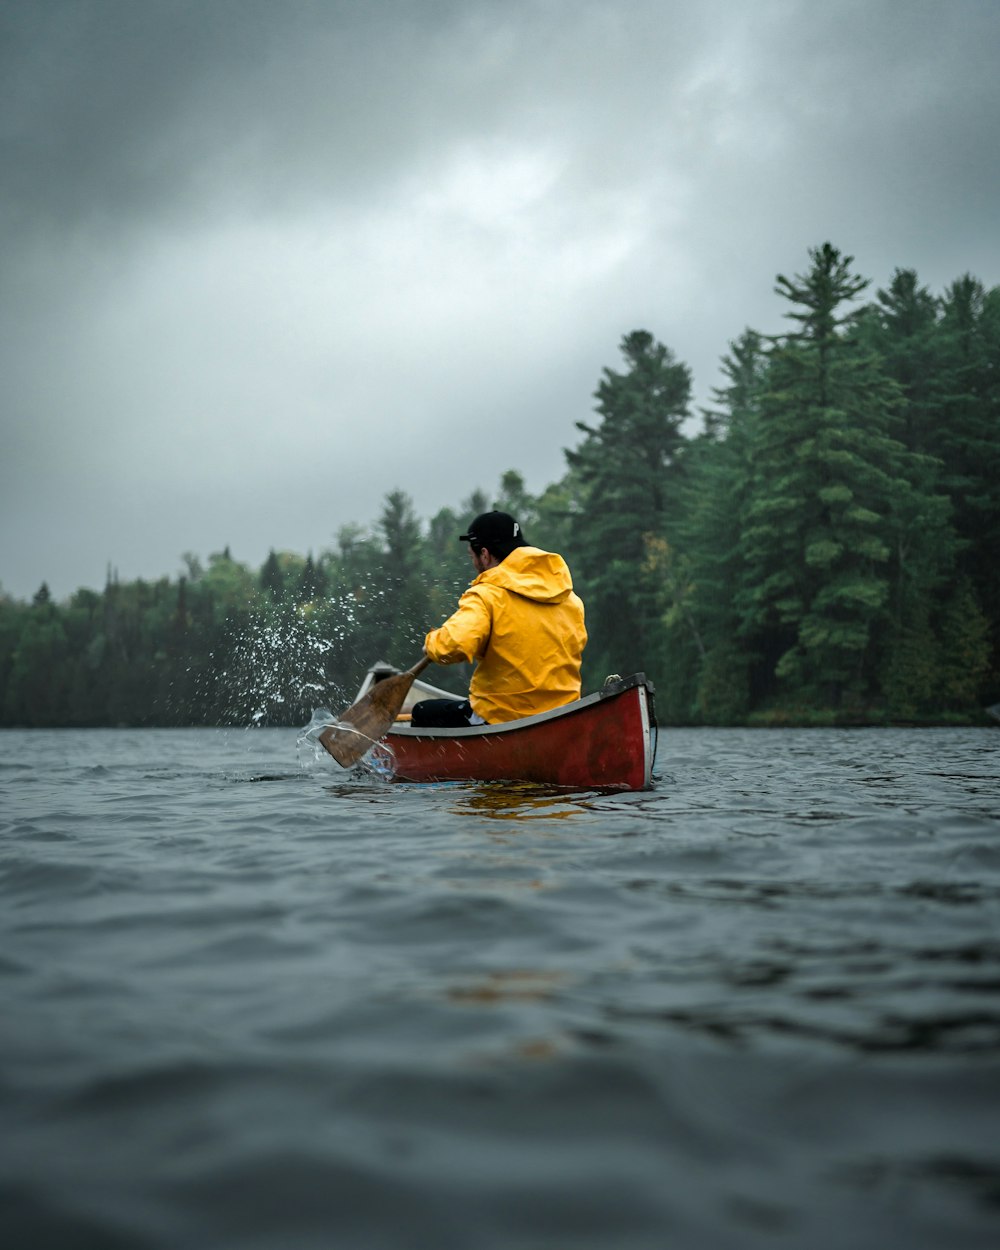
(264, 262)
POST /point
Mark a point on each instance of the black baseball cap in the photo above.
(498, 528)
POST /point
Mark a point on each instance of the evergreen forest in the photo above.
(822, 550)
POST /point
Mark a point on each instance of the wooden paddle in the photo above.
(368, 720)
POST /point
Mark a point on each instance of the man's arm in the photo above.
(464, 634)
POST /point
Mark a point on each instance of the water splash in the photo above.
(379, 761)
(278, 664)
(275, 662)
(311, 754)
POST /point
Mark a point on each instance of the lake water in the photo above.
(250, 1001)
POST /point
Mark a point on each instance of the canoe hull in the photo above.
(602, 742)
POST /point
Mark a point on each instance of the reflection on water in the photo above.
(514, 802)
(507, 985)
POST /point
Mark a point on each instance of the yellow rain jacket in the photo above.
(523, 625)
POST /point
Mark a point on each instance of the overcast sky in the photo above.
(265, 260)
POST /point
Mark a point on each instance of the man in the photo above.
(519, 621)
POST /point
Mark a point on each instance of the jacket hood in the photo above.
(542, 576)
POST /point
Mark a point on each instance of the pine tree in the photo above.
(37, 684)
(965, 649)
(968, 441)
(626, 472)
(910, 678)
(513, 497)
(272, 579)
(403, 579)
(309, 581)
(474, 506)
(715, 502)
(447, 563)
(828, 491)
(902, 326)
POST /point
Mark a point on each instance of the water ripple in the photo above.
(249, 1004)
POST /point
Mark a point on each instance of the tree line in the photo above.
(822, 550)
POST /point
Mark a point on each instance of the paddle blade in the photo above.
(370, 719)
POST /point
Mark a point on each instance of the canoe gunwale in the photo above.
(618, 722)
(616, 687)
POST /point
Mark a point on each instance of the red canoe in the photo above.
(604, 741)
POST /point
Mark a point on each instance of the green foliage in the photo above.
(965, 649)
(37, 680)
(723, 693)
(405, 600)
(272, 577)
(714, 495)
(823, 552)
(513, 497)
(910, 680)
(832, 493)
(969, 441)
(625, 474)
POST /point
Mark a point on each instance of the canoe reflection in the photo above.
(521, 985)
(505, 801)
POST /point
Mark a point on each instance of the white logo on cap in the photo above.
(517, 529)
